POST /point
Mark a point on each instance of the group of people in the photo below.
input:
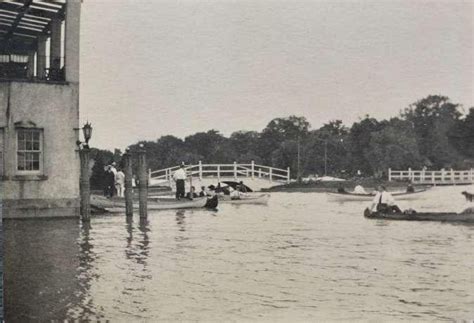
(383, 200)
(179, 176)
(114, 181)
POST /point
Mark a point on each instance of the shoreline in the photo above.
(369, 185)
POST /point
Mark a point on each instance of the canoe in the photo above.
(246, 199)
(117, 205)
(369, 197)
(423, 216)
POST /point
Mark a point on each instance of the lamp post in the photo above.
(298, 162)
(84, 183)
(325, 157)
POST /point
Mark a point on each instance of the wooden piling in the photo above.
(142, 182)
(128, 184)
(84, 184)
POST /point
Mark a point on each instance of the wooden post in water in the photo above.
(142, 182)
(253, 169)
(128, 184)
(288, 175)
(84, 184)
(235, 171)
(200, 170)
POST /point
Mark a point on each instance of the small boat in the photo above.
(117, 204)
(245, 199)
(349, 196)
(422, 216)
(234, 185)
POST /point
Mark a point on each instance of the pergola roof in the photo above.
(22, 21)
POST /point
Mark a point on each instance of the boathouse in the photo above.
(39, 108)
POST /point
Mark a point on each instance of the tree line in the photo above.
(432, 132)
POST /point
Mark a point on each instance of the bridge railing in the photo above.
(234, 170)
(433, 177)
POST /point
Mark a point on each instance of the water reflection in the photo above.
(144, 242)
(40, 268)
(299, 259)
(86, 275)
(180, 220)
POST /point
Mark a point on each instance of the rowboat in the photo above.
(348, 196)
(245, 199)
(117, 204)
(423, 216)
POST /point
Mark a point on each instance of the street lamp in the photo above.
(84, 182)
(87, 132)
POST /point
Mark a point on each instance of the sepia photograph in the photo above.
(237, 160)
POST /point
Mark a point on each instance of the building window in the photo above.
(29, 150)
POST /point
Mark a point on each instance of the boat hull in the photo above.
(246, 199)
(117, 205)
(425, 216)
(352, 197)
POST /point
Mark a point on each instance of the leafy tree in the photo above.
(432, 118)
(278, 131)
(394, 146)
(325, 150)
(357, 142)
(101, 158)
(462, 137)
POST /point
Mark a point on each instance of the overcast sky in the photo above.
(151, 68)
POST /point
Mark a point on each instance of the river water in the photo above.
(301, 258)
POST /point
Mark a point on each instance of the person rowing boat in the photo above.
(384, 201)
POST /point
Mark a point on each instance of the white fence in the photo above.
(219, 171)
(452, 177)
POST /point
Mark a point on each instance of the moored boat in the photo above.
(422, 216)
(246, 199)
(117, 205)
(349, 196)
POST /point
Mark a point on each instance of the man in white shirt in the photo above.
(384, 201)
(120, 183)
(113, 168)
(180, 176)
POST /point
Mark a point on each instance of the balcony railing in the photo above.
(18, 67)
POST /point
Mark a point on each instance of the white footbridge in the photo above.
(253, 175)
(436, 177)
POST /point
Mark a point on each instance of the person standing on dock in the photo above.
(179, 177)
(110, 182)
(120, 183)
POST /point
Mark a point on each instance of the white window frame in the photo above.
(41, 152)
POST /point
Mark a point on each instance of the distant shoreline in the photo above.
(368, 183)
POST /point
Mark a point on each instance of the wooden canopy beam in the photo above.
(21, 12)
(33, 11)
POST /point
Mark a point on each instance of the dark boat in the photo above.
(422, 216)
(234, 185)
